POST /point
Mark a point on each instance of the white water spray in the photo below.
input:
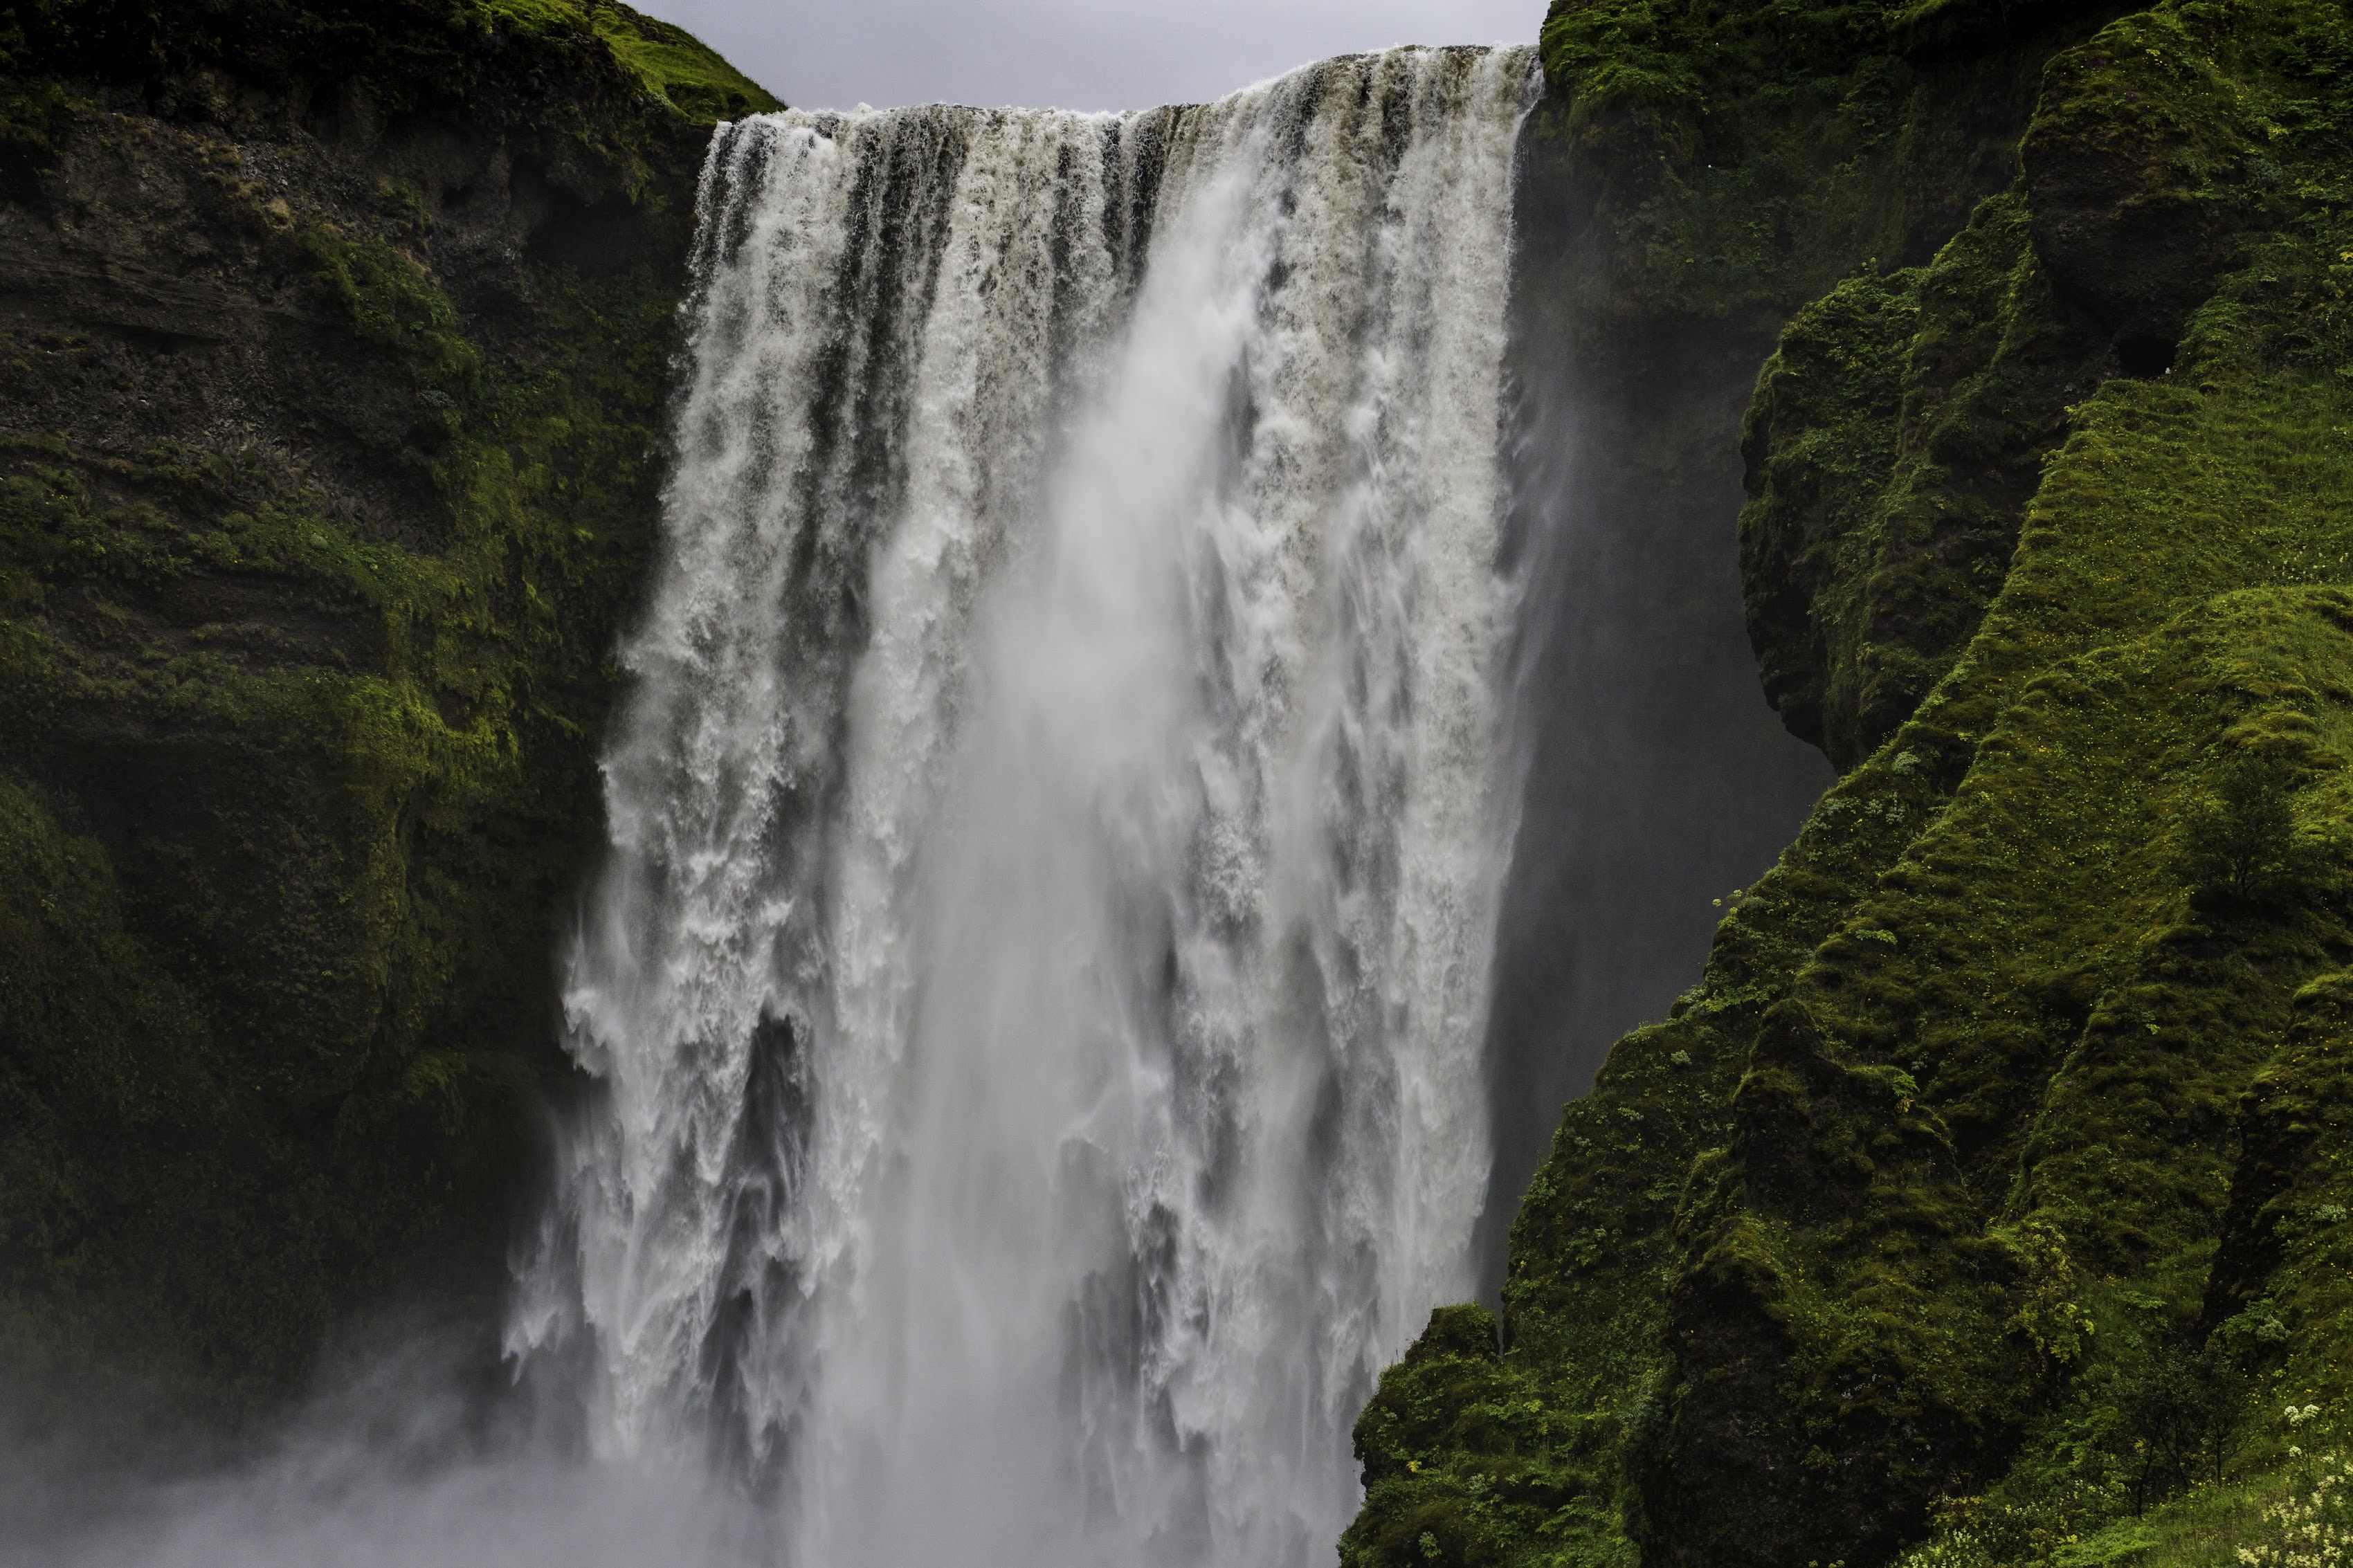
(1037, 988)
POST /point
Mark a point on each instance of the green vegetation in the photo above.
(1894, 439)
(2242, 846)
(672, 64)
(1740, 159)
(301, 705)
(1980, 1203)
(679, 69)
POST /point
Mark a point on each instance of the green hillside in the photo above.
(1980, 1202)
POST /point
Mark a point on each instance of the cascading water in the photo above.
(1037, 988)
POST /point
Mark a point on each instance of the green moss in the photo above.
(678, 67)
(1739, 159)
(135, 1048)
(670, 63)
(1990, 1161)
(621, 84)
(97, 1267)
(1894, 439)
(393, 303)
(315, 773)
(2031, 962)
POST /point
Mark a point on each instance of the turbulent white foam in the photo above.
(1035, 991)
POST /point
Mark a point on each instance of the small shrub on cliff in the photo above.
(2030, 1525)
(2048, 1314)
(2176, 1421)
(2240, 846)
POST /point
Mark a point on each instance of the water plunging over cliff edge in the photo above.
(1036, 989)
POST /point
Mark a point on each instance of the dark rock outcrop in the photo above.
(335, 343)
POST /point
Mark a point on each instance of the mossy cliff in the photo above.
(334, 354)
(1985, 1200)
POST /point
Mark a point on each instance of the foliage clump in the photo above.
(2240, 845)
(2312, 1525)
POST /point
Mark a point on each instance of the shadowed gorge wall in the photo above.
(1656, 780)
(333, 354)
(1660, 247)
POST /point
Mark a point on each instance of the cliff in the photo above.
(334, 341)
(1981, 1202)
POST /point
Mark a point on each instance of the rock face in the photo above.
(1894, 442)
(1977, 1200)
(333, 346)
(2140, 168)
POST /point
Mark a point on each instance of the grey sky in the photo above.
(1065, 54)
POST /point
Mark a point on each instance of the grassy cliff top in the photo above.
(676, 67)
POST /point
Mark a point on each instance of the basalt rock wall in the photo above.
(334, 347)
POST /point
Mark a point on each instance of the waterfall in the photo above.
(1035, 992)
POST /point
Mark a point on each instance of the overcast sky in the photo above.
(1064, 54)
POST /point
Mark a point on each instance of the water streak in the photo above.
(1036, 989)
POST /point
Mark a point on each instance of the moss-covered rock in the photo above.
(1895, 436)
(1983, 1182)
(332, 384)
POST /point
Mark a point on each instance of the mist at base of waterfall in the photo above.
(414, 1450)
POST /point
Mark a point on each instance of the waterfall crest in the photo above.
(1036, 989)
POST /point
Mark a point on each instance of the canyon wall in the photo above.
(334, 352)
(1981, 1190)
